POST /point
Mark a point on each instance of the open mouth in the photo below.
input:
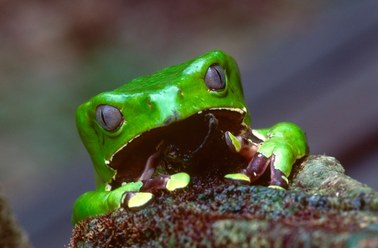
(180, 146)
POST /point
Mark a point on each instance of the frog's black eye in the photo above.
(215, 79)
(109, 117)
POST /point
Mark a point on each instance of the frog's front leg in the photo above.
(169, 182)
(137, 199)
(280, 146)
(131, 195)
(102, 201)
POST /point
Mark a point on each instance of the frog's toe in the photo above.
(278, 179)
(276, 187)
(168, 182)
(177, 181)
(232, 141)
(238, 177)
(256, 167)
(136, 200)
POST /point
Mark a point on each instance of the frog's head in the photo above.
(122, 128)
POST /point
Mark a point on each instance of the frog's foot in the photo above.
(256, 168)
(137, 200)
(238, 144)
(170, 183)
(258, 162)
(278, 180)
(253, 171)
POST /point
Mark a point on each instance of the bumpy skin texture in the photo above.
(119, 126)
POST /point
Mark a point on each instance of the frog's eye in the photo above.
(109, 117)
(215, 78)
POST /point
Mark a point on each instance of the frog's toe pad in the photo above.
(139, 199)
(178, 181)
(232, 141)
(276, 187)
(238, 177)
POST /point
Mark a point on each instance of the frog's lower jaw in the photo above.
(175, 147)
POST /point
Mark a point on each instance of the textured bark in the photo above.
(322, 208)
(11, 235)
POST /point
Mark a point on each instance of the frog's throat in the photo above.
(186, 136)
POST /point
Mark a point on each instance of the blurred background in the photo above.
(311, 62)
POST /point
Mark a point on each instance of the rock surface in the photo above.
(323, 207)
(11, 235)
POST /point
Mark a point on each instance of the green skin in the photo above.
(169, 96)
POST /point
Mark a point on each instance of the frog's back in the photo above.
(155, 80)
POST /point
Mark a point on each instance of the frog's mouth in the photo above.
(186, 145)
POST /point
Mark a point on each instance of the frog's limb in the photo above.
(257, 163)
(281, 158)
(132, 195)
(280, 146)
(137, 200)
(95, 203)
(241, 145)
(169, 182)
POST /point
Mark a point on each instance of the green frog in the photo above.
(157, 131)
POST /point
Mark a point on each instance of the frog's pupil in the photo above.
(103, 119)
